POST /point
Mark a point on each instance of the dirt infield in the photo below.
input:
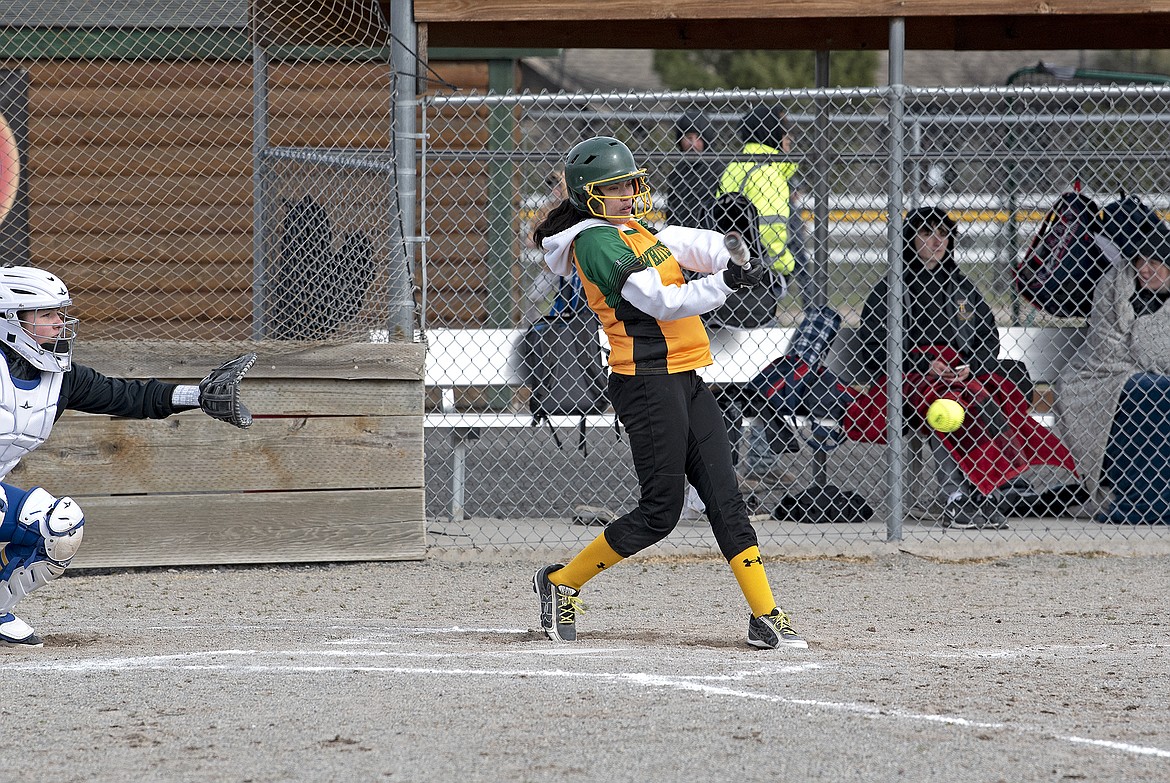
(1043, 667)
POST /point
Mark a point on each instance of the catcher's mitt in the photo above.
(219, 392)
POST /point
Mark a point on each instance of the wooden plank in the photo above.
(46, 128)
(54, 159)
(55, 248)
(160, 219)
(468, 74)
(268, 527)
(370, 76)
(974, 33)
(162, 276)
(232, 101)
(191, 452)
(163, 305)
(450, 222)
(204, 73)
(145, 191)
(457, 246)
(109, 74)
(237, 331)
(222, 101)
(479, 11)
(371, 129)
(333, 398)
(461, 172)
(871, 33)
(174, 360)
(452, 311)
(444, 134)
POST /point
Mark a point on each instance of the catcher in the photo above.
(40, 533)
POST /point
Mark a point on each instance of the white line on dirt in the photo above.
(196, 661)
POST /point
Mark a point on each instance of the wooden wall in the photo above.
(140, 178)
(331, 470)
(140, 175)
(457, 208)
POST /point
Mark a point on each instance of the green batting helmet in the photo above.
(603, 160)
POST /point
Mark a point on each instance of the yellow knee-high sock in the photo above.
(748, 568)
(597, 556)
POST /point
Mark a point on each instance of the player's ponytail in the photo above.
(563, 216)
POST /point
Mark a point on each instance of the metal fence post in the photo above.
(897, 96)
(820, 272)
(259, 189)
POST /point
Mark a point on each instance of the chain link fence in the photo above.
(993, 160)
(225, 172)
(205, 172)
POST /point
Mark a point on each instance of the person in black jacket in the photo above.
(40, 533)
(691, 184)
(949, 338)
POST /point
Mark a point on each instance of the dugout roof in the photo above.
(971, 25)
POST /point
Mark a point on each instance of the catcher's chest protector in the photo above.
(27, 409)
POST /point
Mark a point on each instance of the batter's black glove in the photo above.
(219, 392)
(749, 276)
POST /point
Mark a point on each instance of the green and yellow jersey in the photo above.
(640, 344)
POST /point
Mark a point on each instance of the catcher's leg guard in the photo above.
(46, 535)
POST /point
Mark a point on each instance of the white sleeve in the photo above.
(695, 248)
(645, 291)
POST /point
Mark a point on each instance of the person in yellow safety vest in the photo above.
(764, 131)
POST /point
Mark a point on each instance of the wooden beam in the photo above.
(265, 527)
(949, 32)
(622, 12)
(191, 452)
(173, 360)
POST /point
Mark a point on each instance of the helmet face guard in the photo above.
(25, 291)
(51, 353)
(597, 203)
(598, 162)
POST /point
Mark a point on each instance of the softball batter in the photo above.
(633, 281)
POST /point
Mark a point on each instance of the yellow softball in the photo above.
(945, 415)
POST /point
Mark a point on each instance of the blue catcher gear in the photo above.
(47, 534)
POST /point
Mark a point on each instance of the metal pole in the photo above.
(894, 233)
(819, 279)
(403, 252)
(501, 231)
(259, 191)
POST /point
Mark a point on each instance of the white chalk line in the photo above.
(386, 633)
(697, 684)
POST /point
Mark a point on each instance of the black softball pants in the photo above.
(676, 434)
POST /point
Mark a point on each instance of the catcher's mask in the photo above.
(25, 292)
(599, 161)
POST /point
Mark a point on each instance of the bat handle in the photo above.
(737, 249)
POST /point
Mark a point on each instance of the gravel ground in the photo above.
(1016, 668)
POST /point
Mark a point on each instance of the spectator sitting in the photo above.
(1113, 398)
(951, 345)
